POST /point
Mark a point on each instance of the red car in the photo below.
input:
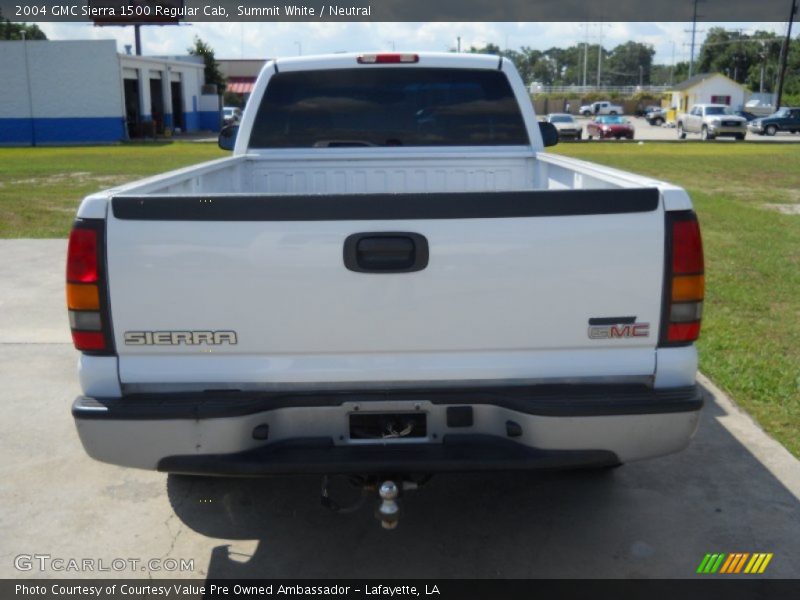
(608, 127)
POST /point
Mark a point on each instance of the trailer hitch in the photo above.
(388, 510)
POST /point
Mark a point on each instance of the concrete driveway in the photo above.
(733, 490)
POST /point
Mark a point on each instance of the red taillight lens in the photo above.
(685, 280)
(387, 58)
(684, 332)
(86, 288)
(88, 340)
(82, 256)
(687, 247)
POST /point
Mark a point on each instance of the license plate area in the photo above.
(388, 425)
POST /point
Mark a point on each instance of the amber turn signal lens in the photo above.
(688, 288)
(82, 297)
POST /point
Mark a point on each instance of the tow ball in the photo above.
(388, 510)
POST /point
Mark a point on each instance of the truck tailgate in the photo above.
(510, 285)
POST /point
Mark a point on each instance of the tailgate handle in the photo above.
(386, 252)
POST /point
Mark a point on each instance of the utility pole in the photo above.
(672, 65)
(458, 45)
(694, 34)
(599, 54)
(585, 50)
(785, 56)
(763, 57)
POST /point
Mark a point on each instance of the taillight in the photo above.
(684, 285)
(87, 298)
(387, 58)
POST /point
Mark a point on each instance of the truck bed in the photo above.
(376, 171)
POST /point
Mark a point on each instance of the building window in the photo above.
(721, 100)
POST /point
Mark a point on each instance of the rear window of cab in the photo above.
(388, 107)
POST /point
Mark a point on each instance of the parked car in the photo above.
(786, 119)
(231, 115)
(600, 108)
(567, 126)
(711, 121)
(759, 108)
(326, 301)
(610, 127)
(642, 111)
(746, 115)
(657, 116)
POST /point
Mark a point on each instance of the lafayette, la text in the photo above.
(214, 590)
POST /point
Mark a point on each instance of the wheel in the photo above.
(770, 130)
(587, 113)
(681, 132)
(740, 136)
(704, 135)
(590, 137)
(658, 121)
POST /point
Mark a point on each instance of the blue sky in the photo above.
(261, 40)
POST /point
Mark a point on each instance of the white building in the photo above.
(57, 92)
(708, 88)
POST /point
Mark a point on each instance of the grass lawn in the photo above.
(750, 344)
(40, 188)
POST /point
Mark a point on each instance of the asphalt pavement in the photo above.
(733, 490)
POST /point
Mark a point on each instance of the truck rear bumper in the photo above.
(475, 429)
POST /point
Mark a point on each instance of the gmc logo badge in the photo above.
(619, 330)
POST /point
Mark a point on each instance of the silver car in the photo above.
(567, 126)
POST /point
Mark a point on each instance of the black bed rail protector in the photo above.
(543, 400)
(369, 207)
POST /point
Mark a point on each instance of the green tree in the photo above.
(14, 31)
(730, 52)
(212, 72)
(232, 99)
(629, 64)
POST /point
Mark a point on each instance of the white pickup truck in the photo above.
(603, 107)
(387, 277)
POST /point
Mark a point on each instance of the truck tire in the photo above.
(681, 132)
(770, 130)
(587, 113)
(658, 122)
(704, 135)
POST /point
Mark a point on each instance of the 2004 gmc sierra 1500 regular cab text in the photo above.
(389, 276)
